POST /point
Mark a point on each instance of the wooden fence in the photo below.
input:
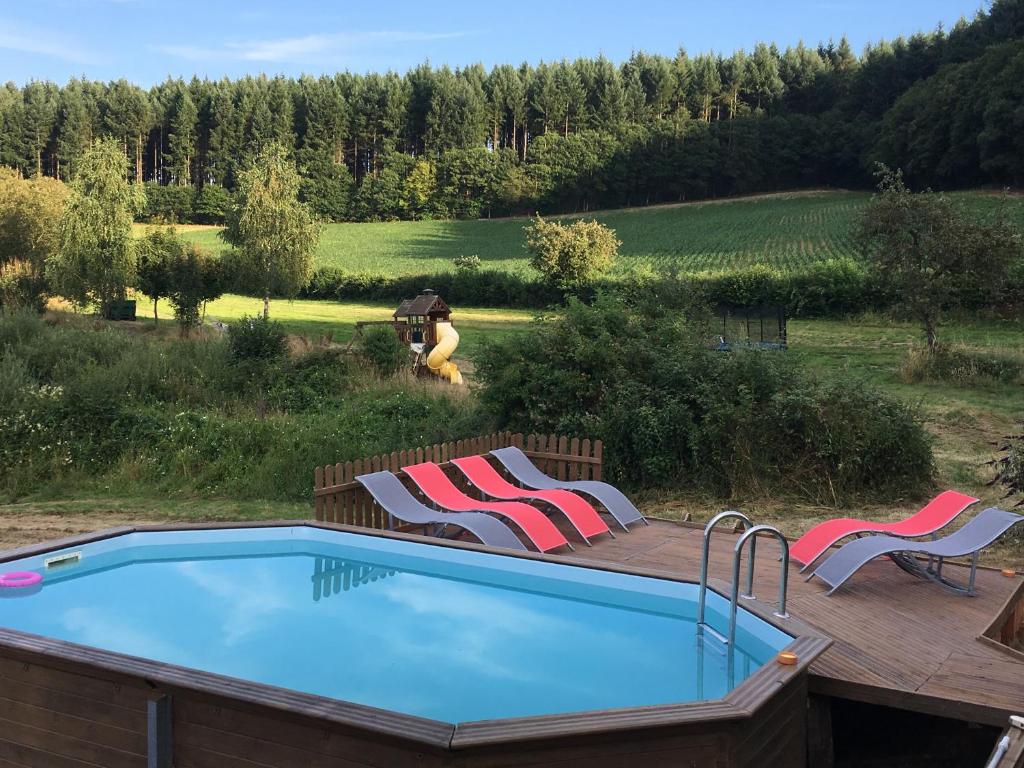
(339, 498)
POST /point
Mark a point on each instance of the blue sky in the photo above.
(147, 40)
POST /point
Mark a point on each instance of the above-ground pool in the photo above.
(441, 633)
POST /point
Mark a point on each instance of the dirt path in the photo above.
(31, 528)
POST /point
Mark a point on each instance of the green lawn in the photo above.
(318, 319)
(966, 420)
(786, 230)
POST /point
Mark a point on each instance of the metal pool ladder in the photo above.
(748, 535)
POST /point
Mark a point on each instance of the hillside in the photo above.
(784, 230)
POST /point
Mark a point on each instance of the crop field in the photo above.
(782, 230)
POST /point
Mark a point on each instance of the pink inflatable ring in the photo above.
(17, 579)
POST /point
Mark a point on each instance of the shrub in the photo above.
(490, 288)
(673, 413)
(22, 286)
(1010, 466)
(381, 348)
(310, 381)
(256, 339)
(959, 365)
(211, 204)
(832, 288)
(467, 263)
(30, 212)
(571, 256)
(14, 380)
(194, 277)
(169, 204)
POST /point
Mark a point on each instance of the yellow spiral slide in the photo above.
(438, 360)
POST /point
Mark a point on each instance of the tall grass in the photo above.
(84, 407)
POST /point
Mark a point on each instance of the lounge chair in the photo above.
(977, 534)
(611, 498)
(436, 486)
(396, 500)
(583, 516)
(937, 514)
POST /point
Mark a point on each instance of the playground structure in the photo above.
(424, 324)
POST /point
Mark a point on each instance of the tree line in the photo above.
(556, 136)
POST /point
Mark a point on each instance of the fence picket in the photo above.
(318, 500)
(324, 478)
(574, 451)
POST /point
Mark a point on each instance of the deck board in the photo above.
(899, 641)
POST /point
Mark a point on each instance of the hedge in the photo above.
(831, 288)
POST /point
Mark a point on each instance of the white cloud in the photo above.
(24, 39)
(297, 49)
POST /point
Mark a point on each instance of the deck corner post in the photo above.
(159, 745)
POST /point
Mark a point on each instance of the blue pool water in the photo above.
(437, 632)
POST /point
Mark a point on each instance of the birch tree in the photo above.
(273, 233)
(97, 258)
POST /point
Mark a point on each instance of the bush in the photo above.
(310, 381)
(467, 263)
(571, 256)
(256, 339)
(675, 414)
(381, 348)
(14, 380)
(959, 365)
(211, 204)
(30, 212)
(194, 277)
(168, 204)
(491, 288)
(830, 288)
(257, 348)
(1010, 466)
(22, 286)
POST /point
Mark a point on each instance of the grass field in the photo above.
(336, 320)
(785, 230)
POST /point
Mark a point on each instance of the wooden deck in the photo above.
(899, 641)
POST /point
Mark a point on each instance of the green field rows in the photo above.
(786, 231)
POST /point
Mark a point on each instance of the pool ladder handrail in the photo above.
(750, 534)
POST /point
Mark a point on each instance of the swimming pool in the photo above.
(444, 634)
